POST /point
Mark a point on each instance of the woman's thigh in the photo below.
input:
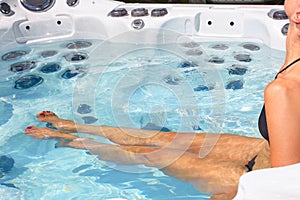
(224, 146)
(210, 174)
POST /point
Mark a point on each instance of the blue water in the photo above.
(195, 86)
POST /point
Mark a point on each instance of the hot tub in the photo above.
(181, 67)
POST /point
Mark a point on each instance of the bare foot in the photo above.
(46, 133)
(61, 124)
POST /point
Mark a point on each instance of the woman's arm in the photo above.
(282, 101)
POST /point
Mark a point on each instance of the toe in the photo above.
(29, 128)
(41, 114)
(49, 113)
(44, 115)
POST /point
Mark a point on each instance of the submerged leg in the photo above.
(224, 146)
(46, 133)
(129, 155)
(126, 136)
(210, 174)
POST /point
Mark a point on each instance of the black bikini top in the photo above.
(262, 121)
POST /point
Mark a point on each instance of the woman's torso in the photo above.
(262, 120)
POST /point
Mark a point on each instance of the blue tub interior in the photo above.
(183, 76)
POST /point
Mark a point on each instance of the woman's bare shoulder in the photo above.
(284, 86)
(283, 111)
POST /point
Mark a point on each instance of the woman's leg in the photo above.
(222, 146)
(210, 174)
(126, 136)
(46, 133)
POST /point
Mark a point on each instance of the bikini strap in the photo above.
(298, 59)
